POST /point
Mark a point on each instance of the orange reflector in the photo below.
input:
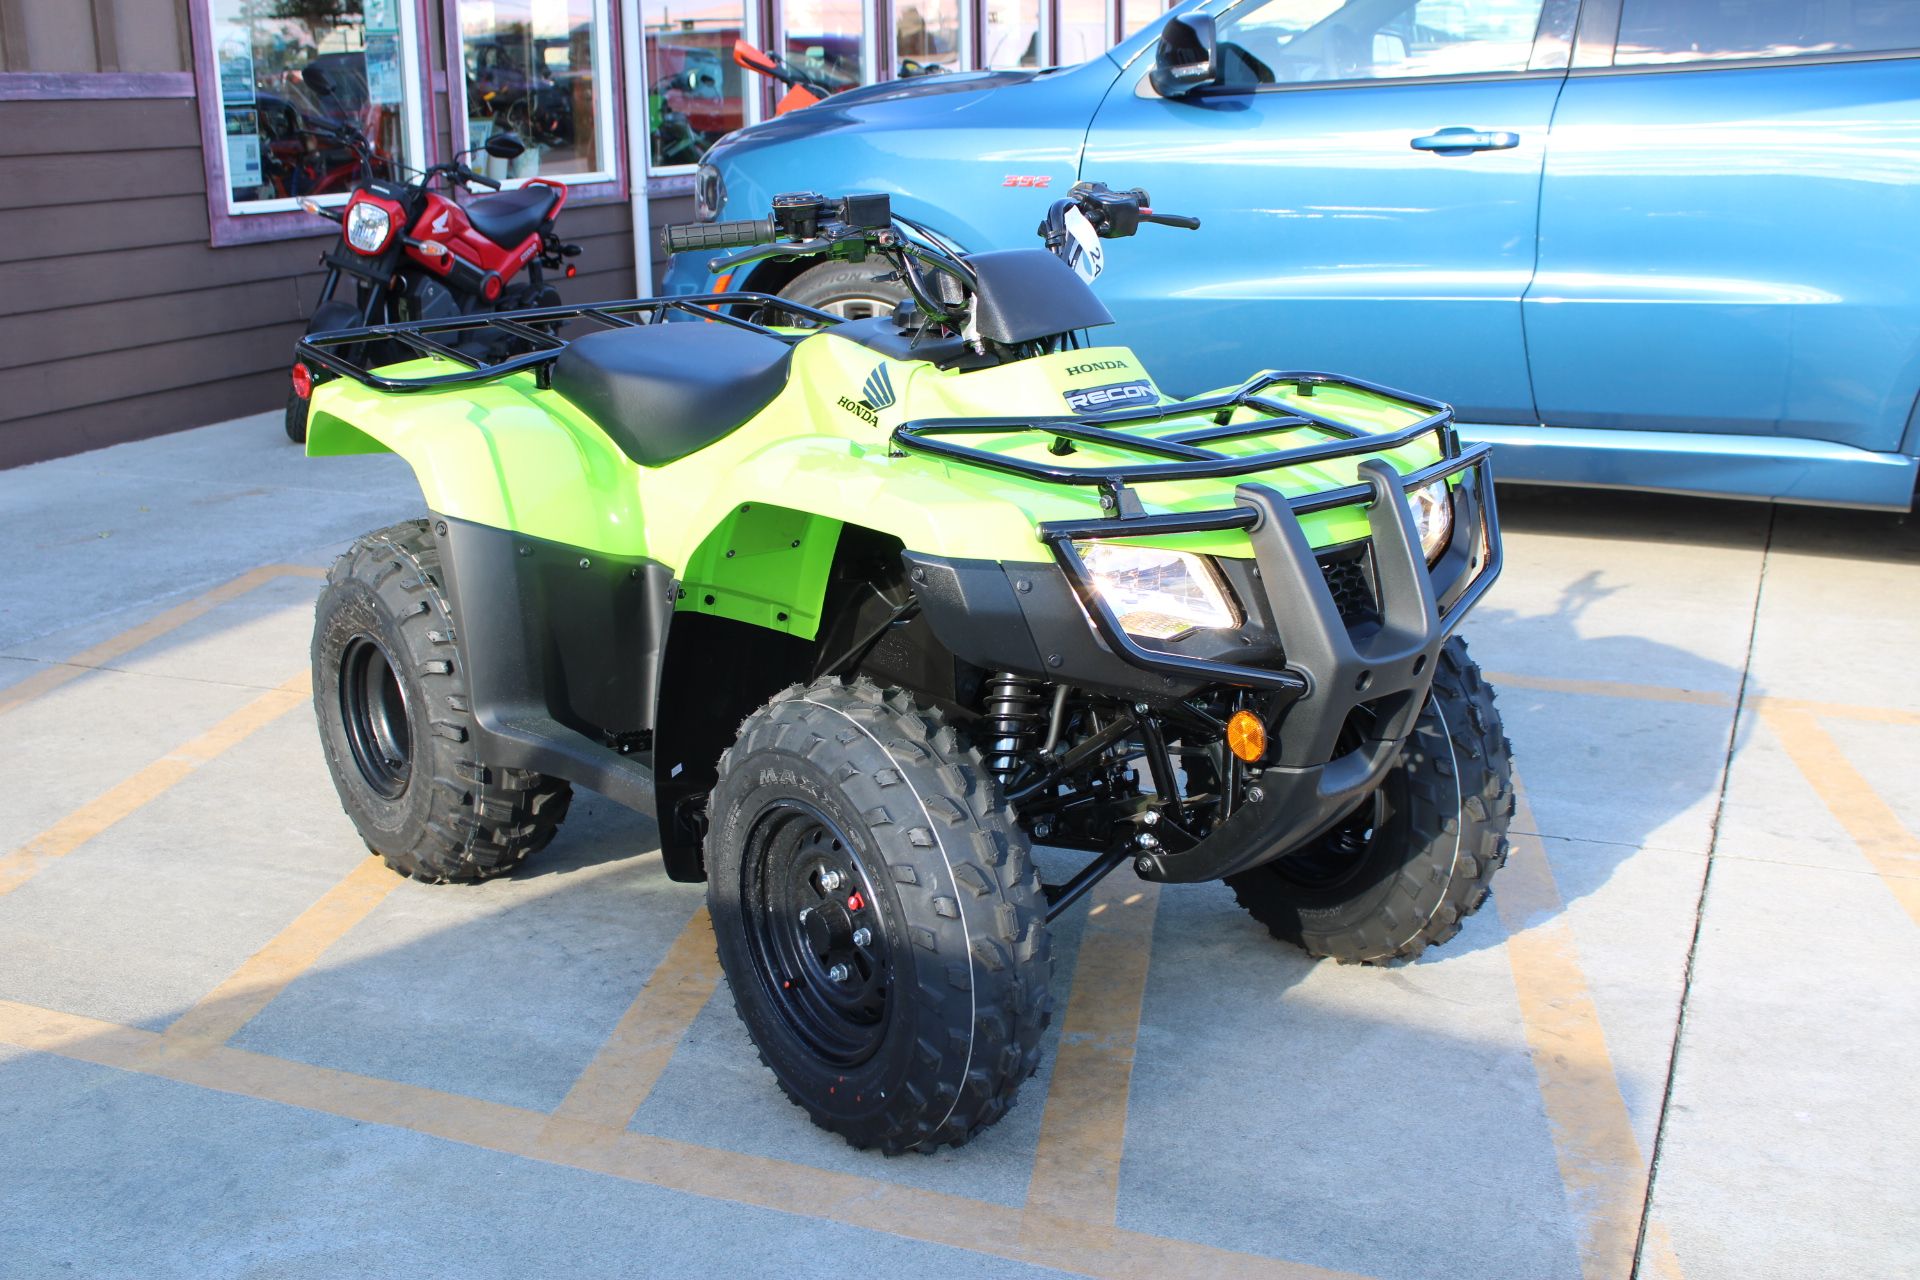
(1246, 736)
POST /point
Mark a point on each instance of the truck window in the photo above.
(1297, 41)
(1665, 31)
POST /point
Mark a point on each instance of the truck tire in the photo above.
(846, 289)
(1415, 860)
(391, 699)
(878, 917)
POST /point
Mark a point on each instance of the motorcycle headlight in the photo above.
(709, 193)
(368, 227)
(1158, 594)
(1433, 517)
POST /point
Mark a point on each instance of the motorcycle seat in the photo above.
(663, 391)
(511, 216)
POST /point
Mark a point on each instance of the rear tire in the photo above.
(846, 289)
(878, 917)
(1416, 859)
(391, 698)
(296, 418)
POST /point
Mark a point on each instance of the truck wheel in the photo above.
(296, 418)
(391, 699)
(1405, 869)
(878, 917)
(845, 289)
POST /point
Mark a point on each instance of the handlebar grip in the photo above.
(490, 183)
(718, 235)
(1170, 220)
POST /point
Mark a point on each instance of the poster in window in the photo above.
(383, 69)
(382, 16)
(236, 75)
(243, 147)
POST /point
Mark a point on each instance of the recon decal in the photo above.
(1095, 367)
(1116, 395)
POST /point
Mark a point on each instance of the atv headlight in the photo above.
(1433, 517)
(368, 226)
(1156, 593)
(709, 193)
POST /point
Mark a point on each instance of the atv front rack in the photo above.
(1183, 455)
(354, 353)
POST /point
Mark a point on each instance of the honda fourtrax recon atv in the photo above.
(863, 609)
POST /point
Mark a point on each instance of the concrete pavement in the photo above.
(1677, 1043)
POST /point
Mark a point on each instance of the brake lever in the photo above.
(790, 249)
(1170, 220)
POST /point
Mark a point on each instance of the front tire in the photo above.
(1415, 860)
(390, 693)
(845, 289)
(878, 917)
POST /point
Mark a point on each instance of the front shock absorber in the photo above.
(1015, 712)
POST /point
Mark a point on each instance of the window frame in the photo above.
(609, 183)
(677, 179)
(283, 218)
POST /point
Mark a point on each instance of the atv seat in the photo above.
(663, 391)
(512, 216)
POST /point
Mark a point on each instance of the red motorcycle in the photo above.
(413, 253)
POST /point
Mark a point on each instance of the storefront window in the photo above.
(926, 36)
(537, 69)
(1083, 30)
(299, 80)
(1012, 35)
(695, 91)
(1135, 14)
(827, 39)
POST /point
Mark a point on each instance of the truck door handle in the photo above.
(1459, 141)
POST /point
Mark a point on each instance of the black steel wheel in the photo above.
(1416, 858)
(373, 711)
(390, 693)
(878, 917)
(817, 942)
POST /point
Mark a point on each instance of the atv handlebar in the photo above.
(1180, 220)
(719, 235)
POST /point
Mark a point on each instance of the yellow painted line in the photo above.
(126, 797)
(1869, 821)
(152, 629)
(1840, 710)
(869, 1203)
(1601, 1165)
(1076, 1166)
(623, 1073)
(255, 984)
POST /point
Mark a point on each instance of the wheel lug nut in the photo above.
(839, 973)
(829, 880)
(861, 937)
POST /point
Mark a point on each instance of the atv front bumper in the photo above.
(1310, 660)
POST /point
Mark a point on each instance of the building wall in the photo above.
(118, 320)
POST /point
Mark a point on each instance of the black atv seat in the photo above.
(663, 391)
(512, 216)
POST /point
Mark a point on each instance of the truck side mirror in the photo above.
(1187, 58)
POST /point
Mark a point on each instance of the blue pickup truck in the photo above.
(1662, 244)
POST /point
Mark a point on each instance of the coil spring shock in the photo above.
(1015, 712)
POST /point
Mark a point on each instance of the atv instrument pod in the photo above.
(1157, 593)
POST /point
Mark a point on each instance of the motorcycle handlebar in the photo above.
(718, 235)
(468, 175)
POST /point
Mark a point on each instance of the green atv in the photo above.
(862, 609)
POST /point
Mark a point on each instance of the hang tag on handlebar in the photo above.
(1084, 252)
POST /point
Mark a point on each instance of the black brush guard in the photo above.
(1330, 670)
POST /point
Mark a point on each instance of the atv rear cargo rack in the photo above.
(354, 353)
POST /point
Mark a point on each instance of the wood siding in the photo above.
(118, 321)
